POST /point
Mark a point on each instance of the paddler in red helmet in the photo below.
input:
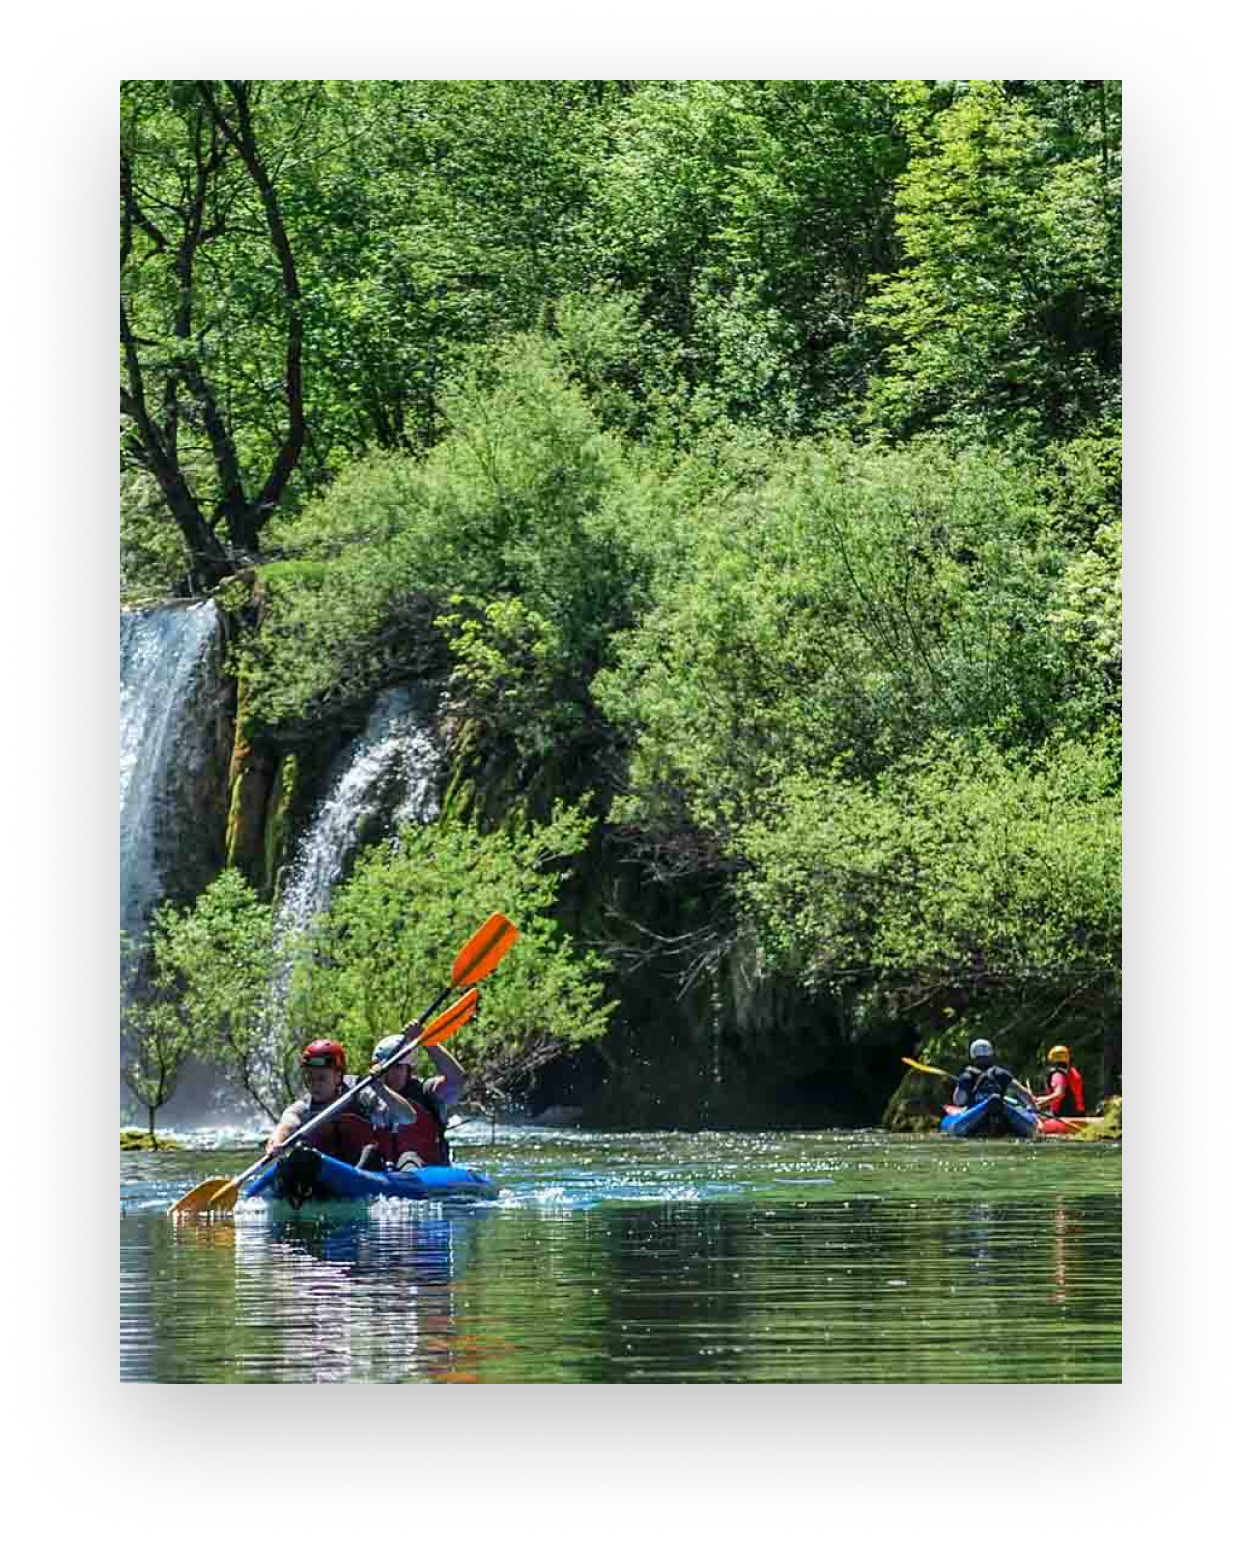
(347, 1135)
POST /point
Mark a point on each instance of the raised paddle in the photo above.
(450, 1021)
(476, 960)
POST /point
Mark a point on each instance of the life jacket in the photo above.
(1074, 1101)
(343, 1137)
(980, 1083)
(423, 1136)
(426, 1136)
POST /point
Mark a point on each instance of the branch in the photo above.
(241, 136)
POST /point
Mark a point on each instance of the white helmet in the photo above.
(981, 1049)
(388, 1046)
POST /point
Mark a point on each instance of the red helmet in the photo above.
(324, 1053)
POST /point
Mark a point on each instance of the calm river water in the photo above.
(830, 1257)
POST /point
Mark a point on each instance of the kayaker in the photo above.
(981, 1078)
(347, 1135)
(1065, 1089)
(407, 1112)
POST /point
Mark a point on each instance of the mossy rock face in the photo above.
(251, 773)
(1107, 1128)
(285, 789)
(134, 1141)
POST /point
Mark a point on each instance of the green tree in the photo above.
(852, 604)
(1004, 317)
(501, 526)
(749, 215)
(959, 868)
(212, 320)
(383, 950)
(155, 1039)
(215, 967)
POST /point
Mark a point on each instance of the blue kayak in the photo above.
(305, 1175)
(991, 1117)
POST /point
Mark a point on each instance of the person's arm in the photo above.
(1055, 1097)
(397, 1107)
(450, 1076)
(287, 1125)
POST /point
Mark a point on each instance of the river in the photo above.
(669, 1257)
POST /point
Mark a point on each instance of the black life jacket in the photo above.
(980, 1083)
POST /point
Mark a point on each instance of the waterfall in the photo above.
(175, 744)
(382, 779)
(173, 764)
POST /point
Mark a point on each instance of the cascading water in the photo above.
(175, 743)
(173, 755)
(383, 778)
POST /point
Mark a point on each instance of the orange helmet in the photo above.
(1059, 1053)
(324, 1053)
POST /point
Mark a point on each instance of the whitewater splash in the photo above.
(383, 779)
(170, 749)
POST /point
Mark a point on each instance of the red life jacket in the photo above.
(1072, 1100)
(424, 1135)
(343, 1137)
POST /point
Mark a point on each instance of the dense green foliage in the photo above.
(745, 456)
(383, 950)
(225, 985)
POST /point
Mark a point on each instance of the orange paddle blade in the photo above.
(197, 1200)
(451, 1020)
(212, 1195)
(225, 1199)
(485, 950)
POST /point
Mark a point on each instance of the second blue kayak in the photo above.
(991, 1117)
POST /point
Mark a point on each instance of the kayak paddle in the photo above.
(922, 1067)
(476, 959)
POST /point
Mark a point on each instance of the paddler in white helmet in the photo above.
(407, 1112)
(981, 1077)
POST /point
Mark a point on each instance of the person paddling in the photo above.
(1065, 1094)
(407, 1112)
(347, 1135)
(981, 1078)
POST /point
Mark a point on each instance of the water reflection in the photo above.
(820, 1258)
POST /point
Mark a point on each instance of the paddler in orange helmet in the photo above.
(1065, 1090)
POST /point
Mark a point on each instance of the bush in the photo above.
(384, 949)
